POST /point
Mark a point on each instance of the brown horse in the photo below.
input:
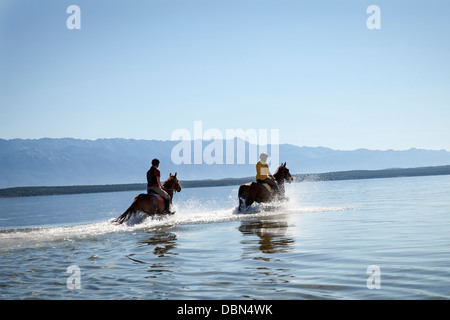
(257, 192)
(149, 203)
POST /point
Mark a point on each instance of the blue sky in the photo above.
(311, 69)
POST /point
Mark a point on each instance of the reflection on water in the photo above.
(267, 243)
(163, 242)
(271, 233)
(160, 243)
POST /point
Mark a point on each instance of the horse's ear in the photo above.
(285, 164)
(175, 174)
(170, 174)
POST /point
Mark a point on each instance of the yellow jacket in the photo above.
(262, 171)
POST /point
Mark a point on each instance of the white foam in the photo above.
(192, 212)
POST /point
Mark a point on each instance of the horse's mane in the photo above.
(284, 166)
(172, 179)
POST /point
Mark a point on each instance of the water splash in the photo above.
(190, 211)
(25, 237)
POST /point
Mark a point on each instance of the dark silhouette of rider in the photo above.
(154, 184)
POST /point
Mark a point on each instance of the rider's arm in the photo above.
(269, 174)
(159, 182)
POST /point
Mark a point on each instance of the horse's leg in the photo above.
(249, 202)
(243, 194)
(242, 204)
(246, 197)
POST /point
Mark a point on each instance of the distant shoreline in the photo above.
(141, 187)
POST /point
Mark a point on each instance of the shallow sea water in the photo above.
(319, 245)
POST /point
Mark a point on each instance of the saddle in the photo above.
(266, 185)
(158, 197)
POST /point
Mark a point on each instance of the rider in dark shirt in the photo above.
(154, 184)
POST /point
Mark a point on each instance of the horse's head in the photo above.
(172, 183)
(283, 174)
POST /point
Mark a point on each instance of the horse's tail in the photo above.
(126, 215)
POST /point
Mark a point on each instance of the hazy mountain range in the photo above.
(67, 161)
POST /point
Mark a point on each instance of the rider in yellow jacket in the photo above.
(263, 174)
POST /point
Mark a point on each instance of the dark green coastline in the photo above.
(141, 187)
